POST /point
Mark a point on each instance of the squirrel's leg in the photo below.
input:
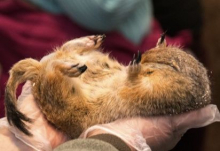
(60, 98)
(84, 43)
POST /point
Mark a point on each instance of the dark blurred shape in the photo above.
(174, 16)
(211, 43)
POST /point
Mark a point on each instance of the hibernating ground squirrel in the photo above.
(77, 86)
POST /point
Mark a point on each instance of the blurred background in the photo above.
(32, 28)
(203, 17)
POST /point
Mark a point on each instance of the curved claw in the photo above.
(82, 68)
(136, 60)
(162, 40)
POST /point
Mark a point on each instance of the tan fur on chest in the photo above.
(78, 86)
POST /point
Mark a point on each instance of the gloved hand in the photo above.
(45, 136)
(159, 133)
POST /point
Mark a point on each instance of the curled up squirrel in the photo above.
(77, 86)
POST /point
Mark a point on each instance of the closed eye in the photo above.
(149, 72)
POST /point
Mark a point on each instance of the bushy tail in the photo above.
(27, 69)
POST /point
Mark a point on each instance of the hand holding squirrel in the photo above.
(154, 133)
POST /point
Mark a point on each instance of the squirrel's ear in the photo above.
(162, 41)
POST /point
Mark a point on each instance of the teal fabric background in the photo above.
(130, 17)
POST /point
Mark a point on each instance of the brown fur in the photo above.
(167, 81)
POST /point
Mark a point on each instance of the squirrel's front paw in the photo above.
(74, 70)
(134, 66)
(69, 69)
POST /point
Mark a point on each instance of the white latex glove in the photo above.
(45, 136)
(159, 133)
